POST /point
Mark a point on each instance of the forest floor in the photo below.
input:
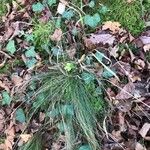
(75, 75)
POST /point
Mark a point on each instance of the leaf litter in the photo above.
(127, 125)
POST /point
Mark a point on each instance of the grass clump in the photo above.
(66, 98)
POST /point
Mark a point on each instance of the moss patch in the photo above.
(128, 14)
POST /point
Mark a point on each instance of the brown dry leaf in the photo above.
(9, 31)
(96, 39)
(113, 51)
(41, 116)
(112, 26)
(2, 119)
(138, 146)
(4, 86)
(145, 39)
(57, 35)
(146, 47)
(22, 2)
(16, 80)
(25, 137)
(140, 64)
(117, 135)
(126, 92)
(10, 135)
(64, 2)
(144, 130)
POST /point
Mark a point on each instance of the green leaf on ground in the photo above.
(68, 14)
(103, 9)
(69, 66)
(37, 7)
(87, 77)
(92, 21)
(107, 74)
(10, 47)
(85, 147)
(6, 100)
(30, 52)
(31, 62)
(56, 51)
(51, 2)
(20, 116)
(91, 4)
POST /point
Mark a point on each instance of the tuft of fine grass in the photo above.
(65, 97)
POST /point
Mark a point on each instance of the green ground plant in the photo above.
(41, 33)
(65, 97)
(128, 14)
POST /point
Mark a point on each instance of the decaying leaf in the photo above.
(144, 130)
(57, 35)
(146, 47)
(112, 26)
(126, 92)
(140, 64)
(25, 137)
(145, 39)
(96, 39)
(4, 86)
(139, 147)
(16, 80)
(2, 120)
(61, 8)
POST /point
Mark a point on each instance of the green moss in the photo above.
(42, 32)
(128, 14)
(3, 8)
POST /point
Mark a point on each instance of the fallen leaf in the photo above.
(2, 120)
(57, 35)
(140, 64)
(16, 80)
(61, 8)
(4, 86)
(96, 39)
(145, 39)
(146, 47)
(25, 137)
(144, 130)
(126, 92)
(139, 147)
(113, 51)
(112, 26)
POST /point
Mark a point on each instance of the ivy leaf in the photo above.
(31, 62)
(6, 98)
(87, 77)
(92, 21)
(20, 116)
(56, 51)
(103, 9)
(51, 2)
(37, 7)
(30, 52)
(29, 37)
(91, 4)
(10, 47)
(85, 147)
(68, 14)
(107, 74)
(106, 67)
(69, 66)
